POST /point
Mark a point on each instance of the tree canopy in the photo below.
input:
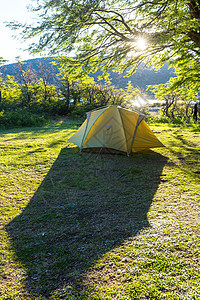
(119, 34)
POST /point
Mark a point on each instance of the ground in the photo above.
(78, 225)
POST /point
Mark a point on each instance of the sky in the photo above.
(13, 10)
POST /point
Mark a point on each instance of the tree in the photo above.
(177, 98)
(1, 84)
(46, 74)
(65, 94)
(2, 61)
(10, 91)
(27, 78)
(112, 34)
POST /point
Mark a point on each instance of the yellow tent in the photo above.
(114, 128)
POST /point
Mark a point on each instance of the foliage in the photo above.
(179, 120)
(21, 117)
(94, 226)
(74, 97)
(79, 112)
(2, 61)
(106, 33)
(178, 99)
(29, 93)
(10, 91)
(141, 78)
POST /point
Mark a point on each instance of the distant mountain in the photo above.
(141, 79)
(34, 65)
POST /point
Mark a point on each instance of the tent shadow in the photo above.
(86, 205)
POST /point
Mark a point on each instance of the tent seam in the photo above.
(136, 127)
(84, 137)
(88, 119)
(123, 130)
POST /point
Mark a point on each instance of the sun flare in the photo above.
(141, 43)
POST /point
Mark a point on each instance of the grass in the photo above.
(95, 226)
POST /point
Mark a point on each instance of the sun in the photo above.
(141, 43)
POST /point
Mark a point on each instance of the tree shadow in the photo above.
(86, 205)
(187, 153)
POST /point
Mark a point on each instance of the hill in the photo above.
(141, 79)
(37, 65)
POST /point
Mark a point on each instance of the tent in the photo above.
(113, 128)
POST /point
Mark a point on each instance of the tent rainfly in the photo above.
(115, 129)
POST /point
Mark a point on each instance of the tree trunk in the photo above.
(195, 112)
(187, 110)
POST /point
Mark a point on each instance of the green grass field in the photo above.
(95, 226)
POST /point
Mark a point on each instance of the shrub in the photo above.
(157, 119)
(81, 109)
(20, 118)
(177, 121)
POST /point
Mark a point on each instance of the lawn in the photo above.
(77, 225)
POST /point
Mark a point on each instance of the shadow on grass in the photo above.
(187, 153)
(86, 205)
(23, 132)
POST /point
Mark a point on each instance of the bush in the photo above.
(157, 119)
(21, 118)
(177, 121)
(81, 109)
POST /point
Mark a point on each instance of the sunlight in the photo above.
(139, 101)
(141, 43)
